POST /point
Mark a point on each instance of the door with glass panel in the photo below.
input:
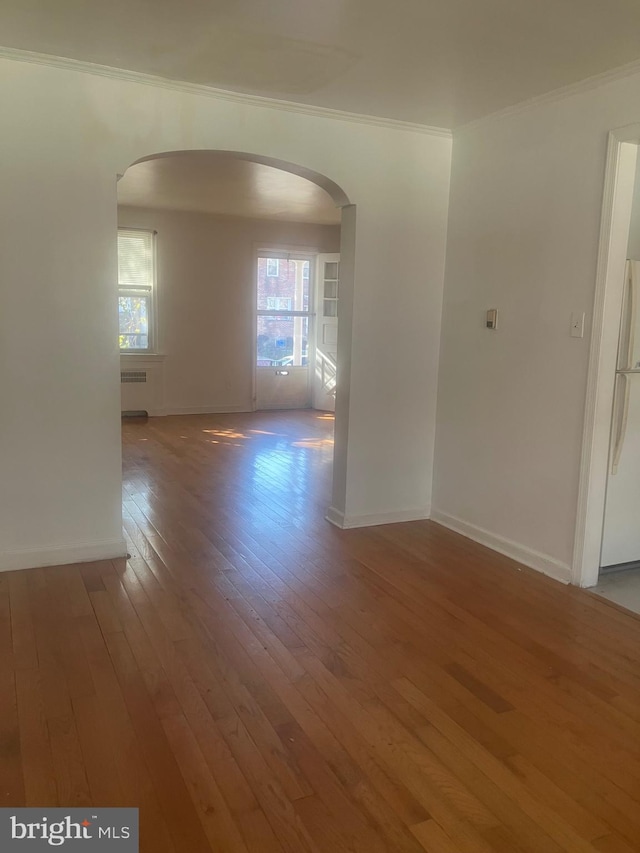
(326, 338)
(284, 330)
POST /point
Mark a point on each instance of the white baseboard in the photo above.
(202, 410)
(336, 517)
(527, 556)
(60, 555)
(347, 522)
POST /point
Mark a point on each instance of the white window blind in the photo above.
(135, 259)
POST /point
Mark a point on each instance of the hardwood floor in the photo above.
(257, 681)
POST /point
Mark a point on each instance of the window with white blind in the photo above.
(136, 278)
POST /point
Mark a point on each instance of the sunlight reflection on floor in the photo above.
(226, 433)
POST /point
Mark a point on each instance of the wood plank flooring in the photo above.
(257, 681)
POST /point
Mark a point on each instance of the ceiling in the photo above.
(219, 183)
(437, 62)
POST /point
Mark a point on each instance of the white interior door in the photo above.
(283, 331)
(326, 332)
(621, 533)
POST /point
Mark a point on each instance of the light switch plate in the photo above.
(492, 318)
(577, 324)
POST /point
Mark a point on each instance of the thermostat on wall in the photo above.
(492, 318)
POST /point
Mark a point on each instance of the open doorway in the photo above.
(607, 553)
(195, 223)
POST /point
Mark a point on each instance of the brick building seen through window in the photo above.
(283, 286)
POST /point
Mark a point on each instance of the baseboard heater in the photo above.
(138, 393)
(133, 376)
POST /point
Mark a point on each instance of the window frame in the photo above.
(283, 309)
(149, 291)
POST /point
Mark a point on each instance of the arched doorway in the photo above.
(192, 185)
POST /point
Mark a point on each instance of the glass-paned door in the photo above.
(284, 328)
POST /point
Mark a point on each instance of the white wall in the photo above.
(525, 208)
(205, 300)
(66, 135)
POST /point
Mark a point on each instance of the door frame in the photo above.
(262, 250)
(319, 318)
(622, 154)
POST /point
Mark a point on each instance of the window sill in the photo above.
(143, 356)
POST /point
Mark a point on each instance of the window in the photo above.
(136, 275)
(283, 312)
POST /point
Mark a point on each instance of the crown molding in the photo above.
(219, 94)
(588, 84)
